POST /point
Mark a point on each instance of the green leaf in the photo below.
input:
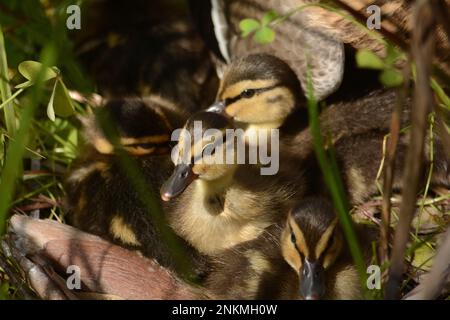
(367, 59)
(63, 103)
(24, 85)
(50, 109)
(72, 139)
(269, 17)
(391, 78)
(265, 35)
(30, 70)
(247, 26)
(60, 102)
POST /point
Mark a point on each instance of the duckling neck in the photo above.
(212, 192)
(210, 221)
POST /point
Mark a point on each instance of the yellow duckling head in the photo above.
(200, 153)
(260, 90)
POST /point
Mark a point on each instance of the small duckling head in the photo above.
(141, 128)
(200, 153)
(311, 242)
(260, 90)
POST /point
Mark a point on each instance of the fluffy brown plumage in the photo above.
(269, 267)
(101, 198)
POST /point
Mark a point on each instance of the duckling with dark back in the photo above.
(261, 92)
(101, 198)
(304, 257)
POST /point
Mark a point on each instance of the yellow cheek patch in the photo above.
(289, 251)
(325, 238)
(121, 231)
(333, 252)
(236, 89)
(269, 106)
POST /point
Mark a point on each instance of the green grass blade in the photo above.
(5, 90)
(334, 182)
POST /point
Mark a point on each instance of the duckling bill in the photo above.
(180, 179)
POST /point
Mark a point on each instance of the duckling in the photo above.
(220, 205)
(102, 200)
(304, 257)
(312, 244)
(261, 92)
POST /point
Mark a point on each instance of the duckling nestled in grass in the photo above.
(101, 197)
(305, 257)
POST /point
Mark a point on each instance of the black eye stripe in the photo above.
(246, 94)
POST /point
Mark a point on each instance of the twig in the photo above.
(389, 168)
(13, 275)
(443, 132)
(422, 51)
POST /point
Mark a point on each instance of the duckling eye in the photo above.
(293, 239)
(184, 174)
(248, 93)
